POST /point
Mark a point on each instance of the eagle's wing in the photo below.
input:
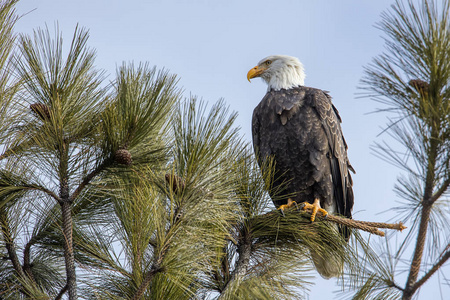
(339, 163)
(255, 133)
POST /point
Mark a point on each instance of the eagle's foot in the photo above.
(289, 204)
(315, 208)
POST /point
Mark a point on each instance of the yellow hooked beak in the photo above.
(255, 72)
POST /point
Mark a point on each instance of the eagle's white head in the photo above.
(279, 72)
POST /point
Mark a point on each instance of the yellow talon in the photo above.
(289, 204)
(315, 207)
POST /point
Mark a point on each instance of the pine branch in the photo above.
(67, 223)
(393, 284)
(433, 270)
(155, 268)
(69, 258)
(89, 177)
(371, 227)
(19, 183)
(244, 252)
(418, 252)
(62, 292)
(10, 247)
(26, 261)
(176, 183)
(42, 189)
(147, 280)
(415, 35)
(441, 190)
(427, 203)
(11, 151)
(222, 275)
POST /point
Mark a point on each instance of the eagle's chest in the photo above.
(297, 142)
(291, 132)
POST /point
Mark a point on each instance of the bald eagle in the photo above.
(299, 128)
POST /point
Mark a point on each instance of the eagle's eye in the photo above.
(268, 62)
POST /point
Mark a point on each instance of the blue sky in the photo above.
(212, 44)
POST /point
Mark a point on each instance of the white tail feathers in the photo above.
(327, 265)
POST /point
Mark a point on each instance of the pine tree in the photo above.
(128, 191)
(412, 80)
(47, 148)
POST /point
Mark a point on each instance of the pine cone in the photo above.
(419, 85)
(177, 183)
(123, 157)
(41, 110)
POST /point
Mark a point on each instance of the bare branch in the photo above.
(371, 227)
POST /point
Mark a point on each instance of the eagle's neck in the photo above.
(289, 76)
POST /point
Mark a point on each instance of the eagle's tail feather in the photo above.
(327, 265)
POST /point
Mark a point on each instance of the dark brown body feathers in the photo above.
(300, 128)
